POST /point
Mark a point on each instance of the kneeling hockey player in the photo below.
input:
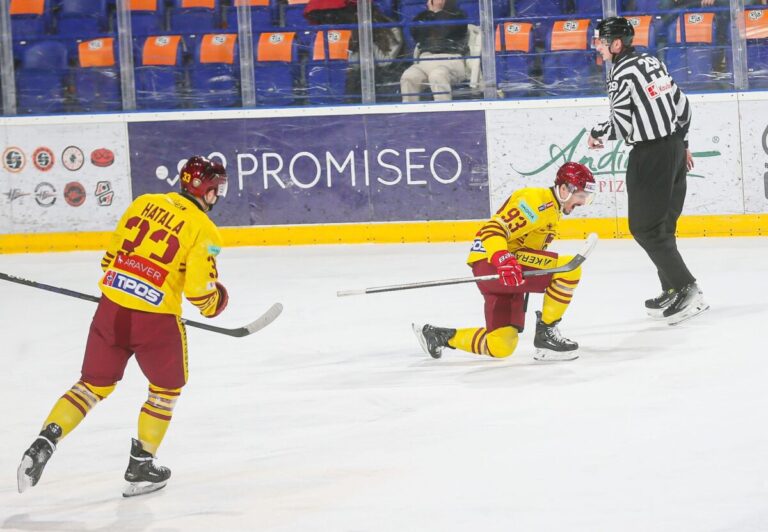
(513, 240)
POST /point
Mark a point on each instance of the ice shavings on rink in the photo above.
(332, 418)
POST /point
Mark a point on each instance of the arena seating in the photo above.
(215, 71)
(41, 78)
(276, 68)
(569, 67)
(328, 67)
(264, 14)
(96, 77)
(756, 24)
(195, 16)
(160, 72)
(690, 55)
(515, 56)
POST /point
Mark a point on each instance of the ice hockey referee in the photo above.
(651, 114)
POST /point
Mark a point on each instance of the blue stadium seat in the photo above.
(292, 13)
(30, 19)
(569, 65)
(160, 72)
(587, 7)
(645, 33)
(514, 58)
(756, 24)
(214, 74)
(328, 67)
(537, 8)
(472, 10)
(690, 57)
(264, 15)
(640, 6)
(82, 18)
(195, 16)
(41, 78)
(276, 68)
(147, 17)
(96, 78)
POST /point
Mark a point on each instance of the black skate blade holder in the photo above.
(572, 264)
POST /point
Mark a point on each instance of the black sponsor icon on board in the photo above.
(45, 194)
(74, 194)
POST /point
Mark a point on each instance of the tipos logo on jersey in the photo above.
(134, 287)
(477, 245)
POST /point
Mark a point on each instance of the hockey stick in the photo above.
(262, 321)
(572, 264)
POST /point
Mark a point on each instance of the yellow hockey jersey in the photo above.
(527, 220)
(164, 246)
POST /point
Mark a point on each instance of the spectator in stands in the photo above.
(387, 41)
(439, 49)
(331, 11)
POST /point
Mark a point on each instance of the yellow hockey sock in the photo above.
(499, 343)
(559, 293)
(155, 416)
(75, 404)
(470, 340)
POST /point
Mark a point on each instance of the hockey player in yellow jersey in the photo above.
(515, 239)
(164, 246)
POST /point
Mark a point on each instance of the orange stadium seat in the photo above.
(96, 77)
(569, 66)
(514, 57)
(160, 72)
(756, 25)
(276, 68)
(328, 67)
(215, 71)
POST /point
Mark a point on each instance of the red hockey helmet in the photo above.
(199, 175)
(577, 176)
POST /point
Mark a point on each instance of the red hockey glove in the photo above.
(510, 272)
(223, 300)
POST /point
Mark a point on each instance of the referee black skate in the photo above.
(651, 114)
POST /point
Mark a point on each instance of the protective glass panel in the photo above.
(65, 56)
(543, 49)
(756, 29)
(691, 37)
(441, 43)
(185, 54)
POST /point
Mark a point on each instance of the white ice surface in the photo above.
(332, 419)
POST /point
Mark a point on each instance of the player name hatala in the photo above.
(161, 216)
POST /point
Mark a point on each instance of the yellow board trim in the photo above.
(389, 233)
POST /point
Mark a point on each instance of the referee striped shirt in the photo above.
(646, 103)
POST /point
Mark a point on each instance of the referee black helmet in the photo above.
(615, 28)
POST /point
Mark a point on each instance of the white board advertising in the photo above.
(63, 177)
(526, 147)
(754, 143)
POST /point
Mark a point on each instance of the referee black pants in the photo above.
(656, 186)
